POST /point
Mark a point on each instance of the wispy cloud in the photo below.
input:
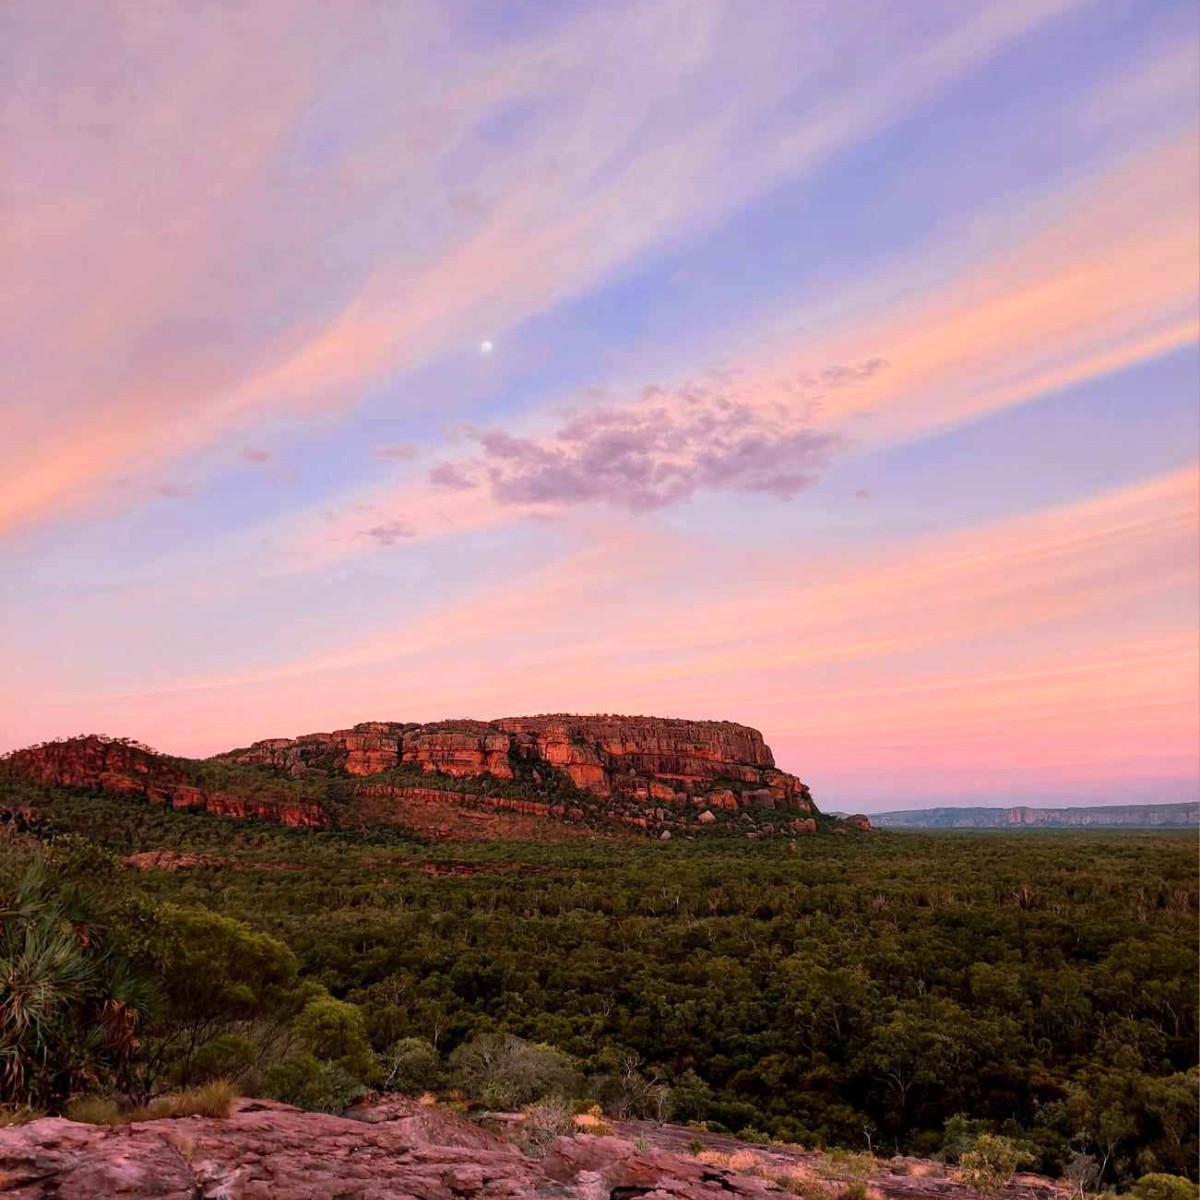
(578, 149)
(1083, 287)
(982, 659)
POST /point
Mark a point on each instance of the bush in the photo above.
(551, 1118)
(754, 1136)
(991, 1163)
(959, 1135)
(1165, 1187)
(501, 1071)
(226, 1056)
(412, 1065)
(303, 1080)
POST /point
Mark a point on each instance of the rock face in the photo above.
(402, 1150)
(652, 758)
(129, 769)
(272, 1152)
(470, 780)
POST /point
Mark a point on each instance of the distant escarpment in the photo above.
(1131, 816)
(519, 776)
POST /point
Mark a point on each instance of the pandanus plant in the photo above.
(70, 1011)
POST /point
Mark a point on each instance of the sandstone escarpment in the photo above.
(125, 768)
(650, 758)
(464, 779)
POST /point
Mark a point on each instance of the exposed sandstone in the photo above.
(520, 776)
(273, 1152)
(126, 768)
(653, 758)
(399, 1149)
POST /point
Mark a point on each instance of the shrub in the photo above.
(1165, 1187)
(549, 1119)
(226, 1056)
(412, 1065)
(991, 1163)
(303, 1080)
(695, 1146)
(854, 1191)
(959, 1135)
(1082, 1172)
(754, 1136)
(501, 1071)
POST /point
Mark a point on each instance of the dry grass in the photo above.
(22, 1114)
(847, 1165)
(916, 1168)
(94, 1110)
(213, 1099)
(593, 1123)
(745, 1162)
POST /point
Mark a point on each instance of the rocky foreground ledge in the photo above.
(268, 1151)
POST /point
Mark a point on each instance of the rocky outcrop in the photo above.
(403, 1150)
(648, 758)
(273, 1152)
(1095, 816)
(514, 777)
(126, 768)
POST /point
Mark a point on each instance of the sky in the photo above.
(827, 367)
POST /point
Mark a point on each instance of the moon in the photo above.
(486, 347)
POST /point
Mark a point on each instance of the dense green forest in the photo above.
(858, 991)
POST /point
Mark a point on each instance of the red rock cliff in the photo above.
(659, 775)
(126, 768)
(652, 758)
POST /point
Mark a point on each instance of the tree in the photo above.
(505, 1072)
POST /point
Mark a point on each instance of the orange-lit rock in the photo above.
(640, 772)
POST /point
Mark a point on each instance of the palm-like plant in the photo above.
(67, 1009)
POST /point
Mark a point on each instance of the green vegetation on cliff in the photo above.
(832, 989)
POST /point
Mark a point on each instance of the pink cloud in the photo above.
(182, 298)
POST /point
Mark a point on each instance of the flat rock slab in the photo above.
(273, 1152)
